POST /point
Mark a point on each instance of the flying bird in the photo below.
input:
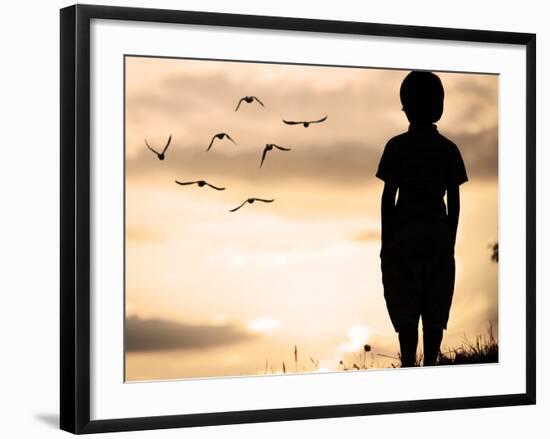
(305, 123)
(269, 147)
(251, 200)
(200, 183)
(161, 154)
(219, 136)
(249, 100)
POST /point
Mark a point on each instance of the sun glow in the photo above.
(357, 338)
(264, 325)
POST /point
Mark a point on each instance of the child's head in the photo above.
(422, 97)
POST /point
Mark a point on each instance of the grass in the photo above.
(484, 349)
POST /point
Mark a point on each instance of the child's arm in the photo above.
(387, 212)
(453, 210)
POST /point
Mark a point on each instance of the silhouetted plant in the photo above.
(483, 350)
(494, 250)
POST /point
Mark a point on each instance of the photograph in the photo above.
(296, 219)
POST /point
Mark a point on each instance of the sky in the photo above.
(211, 293)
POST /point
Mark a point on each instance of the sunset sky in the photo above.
(213, 293)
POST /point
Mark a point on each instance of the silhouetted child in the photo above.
(419, 230)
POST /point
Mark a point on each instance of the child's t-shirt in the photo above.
(422, 164)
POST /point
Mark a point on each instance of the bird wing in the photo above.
(282, 148)
(264, 200)
(184, 183)
(211, 142)
(263, 156)
(239, 104)
(215, 187)
(259, 102)
(167, 144)
(238, 207)
(291, 122)
(229, 137)
(149, 146)
(320, 120)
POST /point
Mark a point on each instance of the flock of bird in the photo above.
(220, 136)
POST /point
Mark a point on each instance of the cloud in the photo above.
(327, 163)
(158, 334)
(367, 236)
(352, 163)
(195, 99)
(483, 87)
(142, 235)
(479, 152)
(175, 96)
(193, 105)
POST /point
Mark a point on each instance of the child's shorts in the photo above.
(418, 273)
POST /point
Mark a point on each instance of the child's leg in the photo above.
(408, 340)
(432, 343)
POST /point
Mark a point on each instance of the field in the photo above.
(484, 349)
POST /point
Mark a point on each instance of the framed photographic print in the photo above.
(268, 218)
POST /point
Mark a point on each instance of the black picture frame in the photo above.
(75, 217)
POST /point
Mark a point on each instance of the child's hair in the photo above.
(422, 97)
